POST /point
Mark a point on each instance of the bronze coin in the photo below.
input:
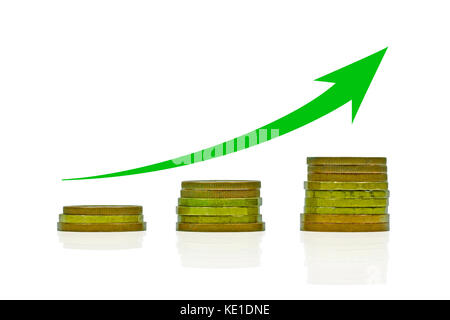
(346, 210)
(217, 211)
(220, 202)
(347, 169)
(345, 227)
(188, 193)
(115, 218)
(317, 161)
(348, 177)
(330, 185)
(221, 184)
(344, 218)
(218, 227)
(339, 194)
(101, 227)
(347, 202)
(102, 210)
(220, 219)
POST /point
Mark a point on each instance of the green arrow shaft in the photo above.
(327, 102)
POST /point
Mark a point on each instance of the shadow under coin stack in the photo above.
(101, 219)
(220, 206)
(346, 195)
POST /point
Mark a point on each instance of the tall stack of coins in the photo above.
(101, 219)
(220, 206)
(346, 195)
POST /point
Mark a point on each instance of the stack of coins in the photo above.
(346, 195)
(101, 219)
(220, 206)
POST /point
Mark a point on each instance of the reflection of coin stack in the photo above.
(220, 206)
(219, 250)
(101, 240)
(101, 219)
(346, 258)
(346, 195)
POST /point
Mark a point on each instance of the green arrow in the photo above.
(350, 83)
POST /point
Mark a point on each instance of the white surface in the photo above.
(90, 87)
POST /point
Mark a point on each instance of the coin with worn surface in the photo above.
(101, 227)
(188, 193)
(217, 227)
(103, 210)
(334, 210)
(220, 202)
(346, 202)
(349, 177)
(346, 194)
(219, 219)
(346, 161)
(329, 185)
(345, 227)
(347, 169)
(72, 218)
(221, 184)
(217, 211)
(344, 218)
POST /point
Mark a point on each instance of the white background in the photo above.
(91, 87)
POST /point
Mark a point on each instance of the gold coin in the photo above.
(103, 210)
(72, 218)
(345, 227)
(214, 227)
(346, 194)
(101, 227)
(187, 193)
(318, 161)
(346, 203)
(217, 211)
(220, 202)
(348, 177)
(333, 210)
(347, 169)
(221, 184)
(344, 218)
(219, 219)
(321, 185)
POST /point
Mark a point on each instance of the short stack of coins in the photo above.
(101, 218)
(220, 206)
(346, 194)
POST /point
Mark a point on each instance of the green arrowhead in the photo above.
(353, 80)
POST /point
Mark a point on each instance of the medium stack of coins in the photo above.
(220, 206)
(101, 219)
(346, 195)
